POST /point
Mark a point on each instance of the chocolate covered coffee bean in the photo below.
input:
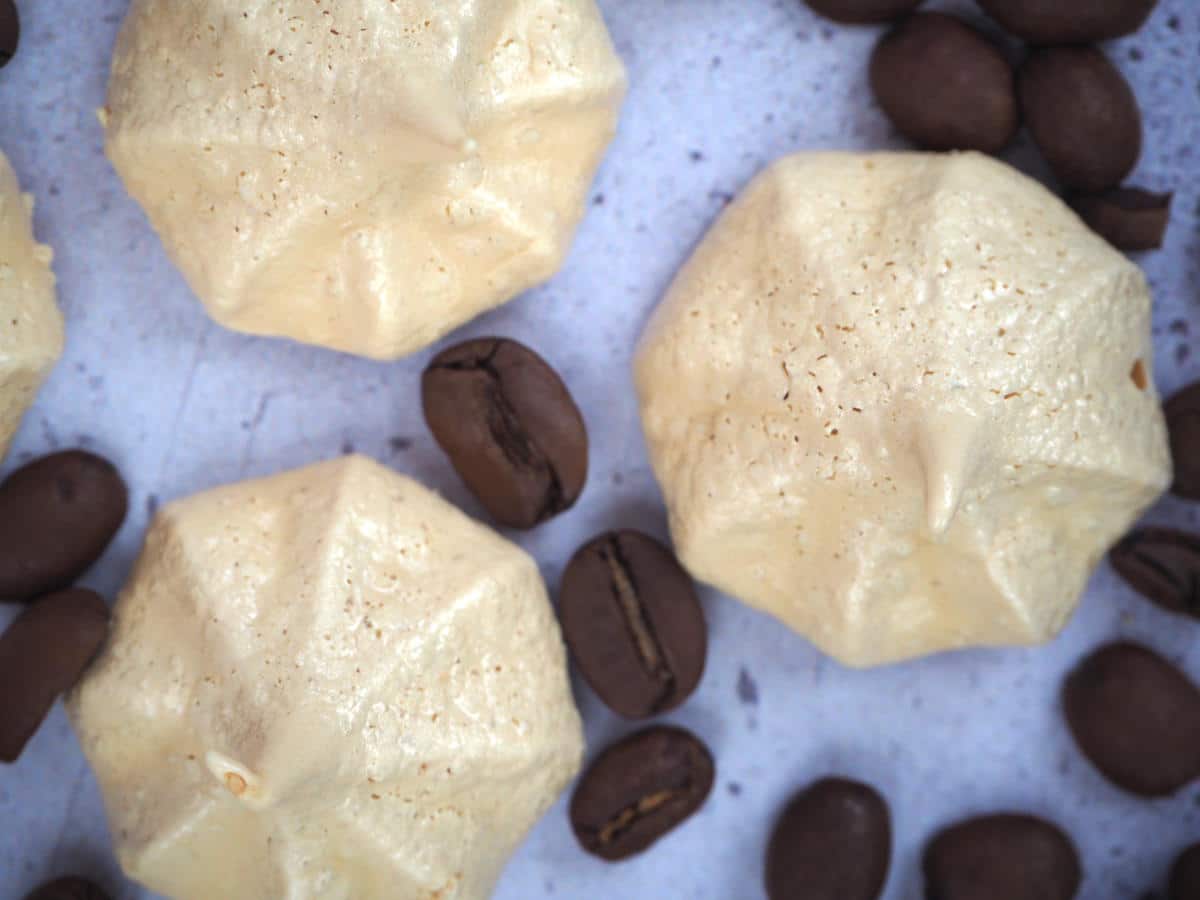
(1182, 412)
(1069, 21)
(1082, 115)
(57, 516)
(833, 841)
(42, 654)
(1136, 717)
(1130, 219)
(945, 86)
(863, 12)
(1002, 857)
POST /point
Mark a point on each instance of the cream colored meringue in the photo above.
(903, 402)
(31, 327)
(327, 684)
(366, 174)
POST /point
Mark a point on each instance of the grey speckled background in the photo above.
(719, 87)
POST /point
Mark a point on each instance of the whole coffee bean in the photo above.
(1184, 883)
(57, 515)
(70, 888)
(42, 654)
(945, 86)
(1002, 857)
(10, 31)
(863, 12)
(1083, 116)
(634, 625)
(1136, 717)
(509, 426)
(833, 842)
(640, 789)
(1163, 565)
(1183, 426)
(1128, 218)
(1069, 21)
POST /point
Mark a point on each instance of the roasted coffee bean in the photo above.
(1136, 717)
(863, 12)
(1069, 21)
(57, 515)
(633, 622)
(640, 789)
(833, 842)
(10, 31)
(1083, 116)
(1128, 218)
(1183, 425)
(1002, 857)
(70, 888)
(1163, 565)
(945, 86)
(42, 654)
(1184, 883)
(509, 426)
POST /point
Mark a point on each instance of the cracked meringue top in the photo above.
(367, 174)
(327, 684)
(903, 402)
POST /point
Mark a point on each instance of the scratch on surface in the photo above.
(260, 414)
(184, 399)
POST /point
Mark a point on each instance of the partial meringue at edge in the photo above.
(368, 174)
(327, 684)
(31, 327)
(903, 402)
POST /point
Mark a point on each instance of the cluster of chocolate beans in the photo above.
(946, 85)
(629, 612)
(57, 516)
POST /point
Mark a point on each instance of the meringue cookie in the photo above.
(327, 684)
(903, 402)
(31, 327)
(368, 174)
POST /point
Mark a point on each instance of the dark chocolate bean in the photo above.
(1069, 21)
(57, 515)
(1163, 565)
(640, 789)
(833, 842)
(633, 622)
(945, 86)
(1082, 115)
(70, 888)
(1183, 425)
(863, 12)
(10, 31)
(1002, 857)
(509, 426)
(1184, 883)
(42, 654)
(1128, 218)
(1136, 717)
